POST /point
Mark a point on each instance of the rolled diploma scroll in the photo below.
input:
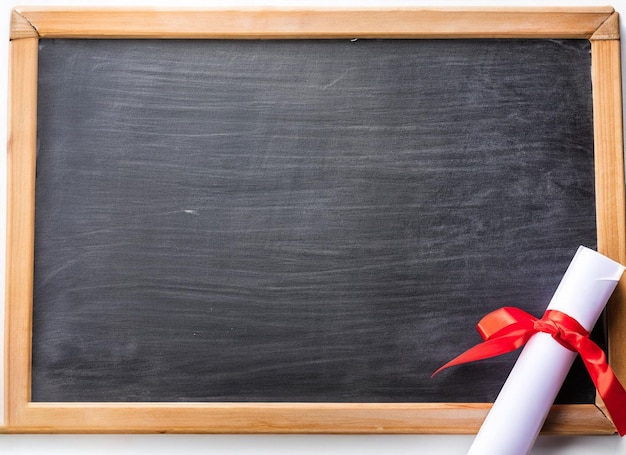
(517, 415)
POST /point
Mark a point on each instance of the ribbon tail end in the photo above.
(451, 363)
(438, 371)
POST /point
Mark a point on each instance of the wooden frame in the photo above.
(29, 25)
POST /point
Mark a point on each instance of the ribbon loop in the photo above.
(509, 328)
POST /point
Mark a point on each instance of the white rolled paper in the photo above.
(517, 415)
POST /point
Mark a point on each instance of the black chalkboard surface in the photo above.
(300, 220)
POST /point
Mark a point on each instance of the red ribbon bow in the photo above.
(509, 328)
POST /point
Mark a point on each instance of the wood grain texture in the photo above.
(458, 23)
(610, 185)
(327, 418)
(22, 139)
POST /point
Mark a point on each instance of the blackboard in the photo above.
(301, 220)
(231, 221)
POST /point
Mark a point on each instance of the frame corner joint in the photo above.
(21, 27)
(609, 29)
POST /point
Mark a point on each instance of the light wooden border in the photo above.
(599, 25)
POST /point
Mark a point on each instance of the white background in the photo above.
(272, 444)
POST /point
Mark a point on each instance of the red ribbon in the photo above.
(509, 328)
